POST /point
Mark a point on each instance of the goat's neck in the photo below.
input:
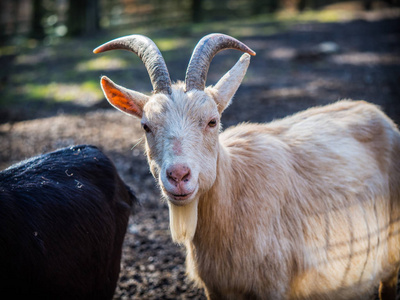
(216, 205)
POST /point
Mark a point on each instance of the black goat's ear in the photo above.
(123, 99)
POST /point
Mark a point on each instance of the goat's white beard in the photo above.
(183, 221)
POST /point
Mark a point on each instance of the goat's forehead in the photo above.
(195, 104)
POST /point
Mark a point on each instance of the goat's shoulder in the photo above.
(339, 132)
(82, 159)
(357, 119)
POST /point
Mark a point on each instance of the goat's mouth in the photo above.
(179, 198)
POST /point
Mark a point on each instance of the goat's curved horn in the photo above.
(149, 53)
(203, 53)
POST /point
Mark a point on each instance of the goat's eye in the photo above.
(146, 128)
(212, 123)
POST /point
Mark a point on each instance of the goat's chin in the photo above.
(179, 202)
(183, 220)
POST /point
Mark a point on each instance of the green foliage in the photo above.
(67, 71)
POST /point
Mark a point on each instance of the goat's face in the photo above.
(181, 121)
(182, 142)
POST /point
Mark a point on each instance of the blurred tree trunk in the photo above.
(158, 11)
(367, 4)
(301, 5)
(197, 12)
(83, 17)
(92, 16)
(264, 6)
(38, 13)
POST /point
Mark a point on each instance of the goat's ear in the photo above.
(125, 100)
(227, 86)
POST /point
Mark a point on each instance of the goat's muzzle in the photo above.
(178, 184)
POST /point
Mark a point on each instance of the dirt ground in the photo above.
(305, 65)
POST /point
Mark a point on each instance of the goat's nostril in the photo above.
(178, 173)
(186, 177)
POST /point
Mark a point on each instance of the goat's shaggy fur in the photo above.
(302, 208)
(307, 207)
(63, 218)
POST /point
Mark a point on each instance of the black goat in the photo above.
(63, 217)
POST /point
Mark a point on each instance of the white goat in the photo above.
(306, 207)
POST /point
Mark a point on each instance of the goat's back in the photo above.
(63, 217)
(325, 184)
